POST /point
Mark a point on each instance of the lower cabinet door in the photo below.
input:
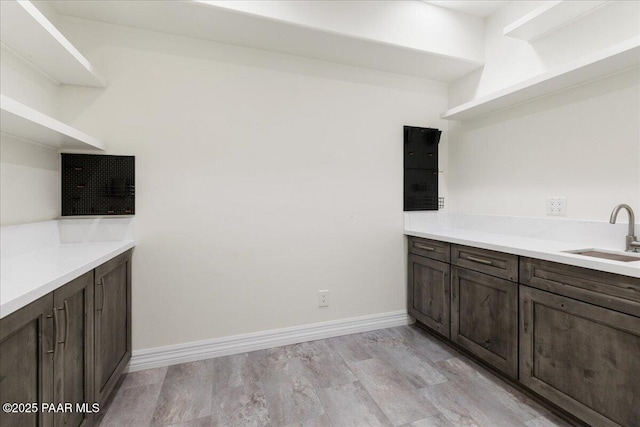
(583, 357)
(428, 293)
(484, 317)
(26, 364)
(73, 366)
(112, 327)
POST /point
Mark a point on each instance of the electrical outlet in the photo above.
(323, 298)
(557, 206)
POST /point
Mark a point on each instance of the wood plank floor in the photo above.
(390, 377)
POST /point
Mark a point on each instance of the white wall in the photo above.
(29, 178)
(26, 84)
(261, 179)
(29, 182)
(583, 144)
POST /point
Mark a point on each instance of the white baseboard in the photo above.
(189, 352)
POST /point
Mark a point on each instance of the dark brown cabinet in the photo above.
(433, 249)
(494, 263)
(580, 340)
(428, 292)
(569, 334)
(619, 293)
(484, 313)
(112, 316)
(26, 362)
(583, 357)
(73, 363)
(46, 356)
(69, 346)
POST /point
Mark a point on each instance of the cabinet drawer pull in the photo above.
(55, 334)
(525, 316)
(426, 248)
(66, 323)
(480, 260)
(101, 284)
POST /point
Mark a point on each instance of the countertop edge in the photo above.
(23, 300)
(553, 256)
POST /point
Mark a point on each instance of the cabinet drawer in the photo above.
(497, 264)
(433, 249)
(610, 290)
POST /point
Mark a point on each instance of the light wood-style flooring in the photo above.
(390, 377)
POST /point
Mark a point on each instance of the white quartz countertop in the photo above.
(548, 250)
(30, 274)
(26, 278)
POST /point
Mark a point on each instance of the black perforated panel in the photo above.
(98, 185)
(421, 168)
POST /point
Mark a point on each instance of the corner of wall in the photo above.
(29, 176)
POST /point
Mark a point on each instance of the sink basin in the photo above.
(612, 255)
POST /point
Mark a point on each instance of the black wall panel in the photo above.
(98, 185)
(421, 168)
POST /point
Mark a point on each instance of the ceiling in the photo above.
(481, 8)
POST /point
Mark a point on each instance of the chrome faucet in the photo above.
(632, 244)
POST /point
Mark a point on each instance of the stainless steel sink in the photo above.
(602, 253)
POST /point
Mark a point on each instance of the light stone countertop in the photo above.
(36, 260)
(460, 231)
(26, 278)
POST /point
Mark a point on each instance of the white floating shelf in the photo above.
(25, 30)
(600, 64)
(24, 122)
(550, 16)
